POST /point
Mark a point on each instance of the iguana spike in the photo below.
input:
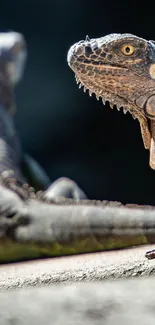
(87, 39)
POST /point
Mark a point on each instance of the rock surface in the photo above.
(118, 302)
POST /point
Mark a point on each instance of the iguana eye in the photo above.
(128, 49)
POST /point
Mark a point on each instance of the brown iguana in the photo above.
(43, 224)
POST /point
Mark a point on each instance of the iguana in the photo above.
(120, 69)
(40, 224)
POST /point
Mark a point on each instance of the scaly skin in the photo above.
(36, 229)
(120, 68)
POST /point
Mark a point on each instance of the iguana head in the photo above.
(120, 68)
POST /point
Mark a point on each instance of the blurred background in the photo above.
(68, 132)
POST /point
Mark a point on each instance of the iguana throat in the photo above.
(120, 68)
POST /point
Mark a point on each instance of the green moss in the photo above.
(15, 251)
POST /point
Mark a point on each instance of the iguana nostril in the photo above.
(150, 107)
(80, 50)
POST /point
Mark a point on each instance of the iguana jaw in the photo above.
(123, 80)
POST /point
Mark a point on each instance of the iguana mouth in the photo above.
(94, 63)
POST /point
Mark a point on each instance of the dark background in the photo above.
(68, 132)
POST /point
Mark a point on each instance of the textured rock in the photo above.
(119, 302)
